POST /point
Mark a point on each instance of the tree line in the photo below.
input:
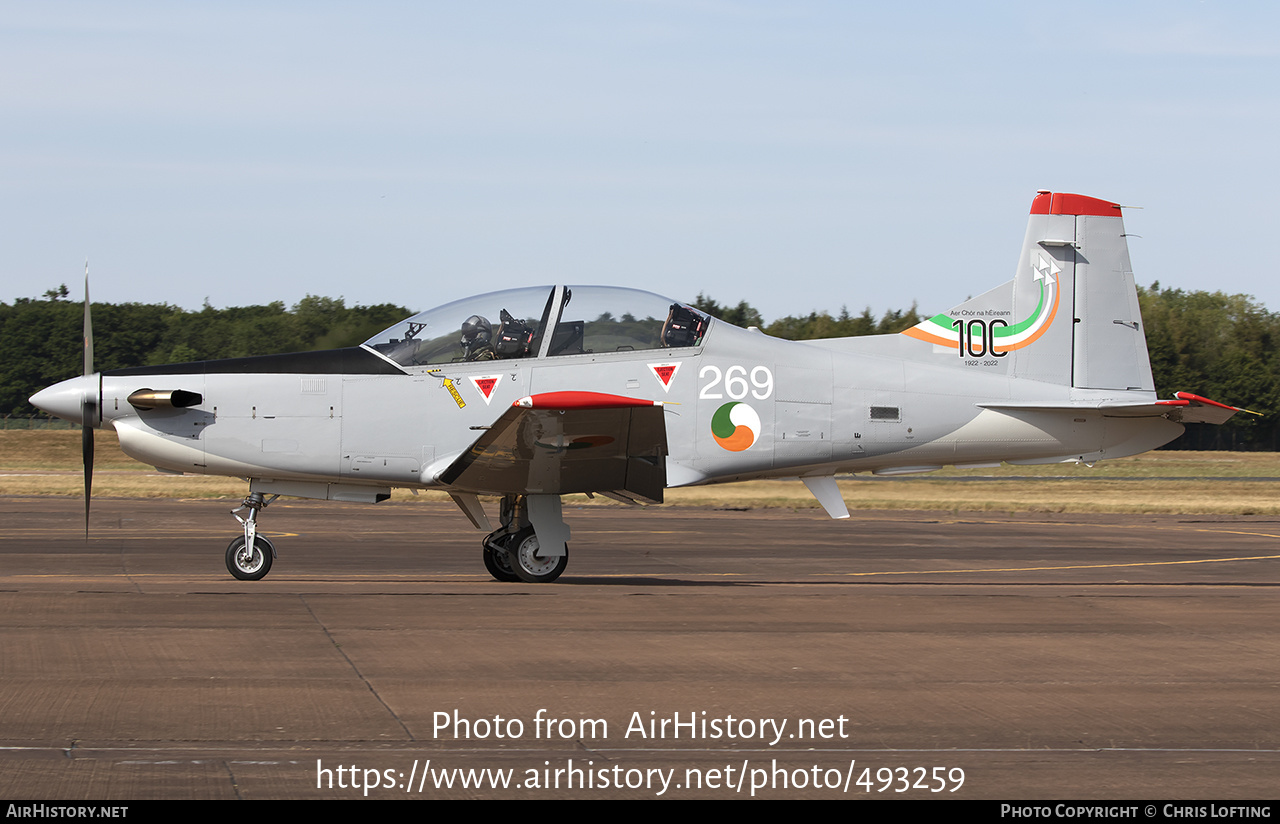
(40, 338)
(1210, 343)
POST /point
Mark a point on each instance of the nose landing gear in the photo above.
(244, 563)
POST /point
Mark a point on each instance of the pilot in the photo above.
(477, 339)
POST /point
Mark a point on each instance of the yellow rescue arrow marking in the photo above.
(448, 384)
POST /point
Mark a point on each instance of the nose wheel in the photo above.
(250, 565)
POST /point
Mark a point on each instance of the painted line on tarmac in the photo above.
(1051, 568)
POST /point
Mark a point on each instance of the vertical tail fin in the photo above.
(1070, 315)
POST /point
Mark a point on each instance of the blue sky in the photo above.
(799, 155)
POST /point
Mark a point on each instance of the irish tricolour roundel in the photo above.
(735, 426)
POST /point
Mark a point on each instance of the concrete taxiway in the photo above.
(919, 655)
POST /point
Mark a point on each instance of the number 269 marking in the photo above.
(735, 383)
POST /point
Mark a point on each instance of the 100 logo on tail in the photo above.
(979, 337)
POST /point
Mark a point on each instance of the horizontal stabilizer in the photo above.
(1183, 408)
(1189, 408)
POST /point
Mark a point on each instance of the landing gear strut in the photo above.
(513, 552)
(242, 562)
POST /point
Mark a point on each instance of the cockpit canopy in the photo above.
(514, 323)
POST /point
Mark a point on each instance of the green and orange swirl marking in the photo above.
(735, 426)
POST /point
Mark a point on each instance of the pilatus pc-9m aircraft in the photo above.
(529, 394)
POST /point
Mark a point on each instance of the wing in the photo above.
(561, 442)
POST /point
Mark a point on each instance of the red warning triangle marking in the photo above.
(484, 385)
(665, 373)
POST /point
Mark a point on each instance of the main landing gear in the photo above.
(513, 552)
(242, 562)
(530, 546)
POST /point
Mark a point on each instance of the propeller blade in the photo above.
(88, 406)
(86, 450)
(88, 325)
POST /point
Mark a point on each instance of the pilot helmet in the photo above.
(476, 330)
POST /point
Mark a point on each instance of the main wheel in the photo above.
(522, 549)
(249, 566)
(498, 562)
